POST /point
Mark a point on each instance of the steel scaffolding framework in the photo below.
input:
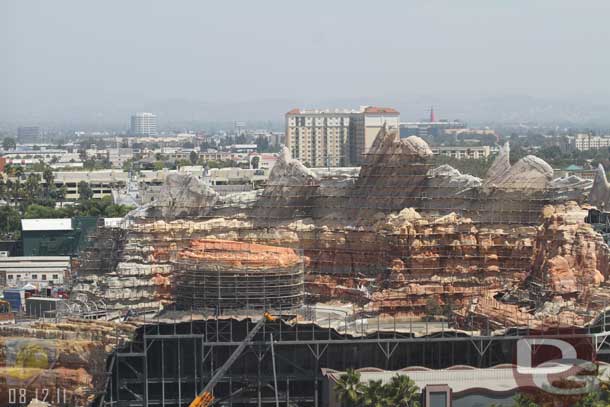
(208, 285)
(169, 363)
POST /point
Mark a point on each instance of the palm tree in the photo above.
(9, 190)
(375, 395)
(18, 171)
(403, 391)
(49, 178)
(349, 389)
(9, 169)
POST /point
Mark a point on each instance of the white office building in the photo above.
(39, 271)
(144, 124)
(586, 142)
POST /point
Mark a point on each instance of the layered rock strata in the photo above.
(453, 234)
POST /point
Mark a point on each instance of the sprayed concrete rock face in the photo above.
(500, 166)
(417, 146)
(388, 144)
(530, 172)
(454, 233)
(447, 176)
(600, 192)
(289, 191)
(288, 171)
(571, 188)
(182, 195)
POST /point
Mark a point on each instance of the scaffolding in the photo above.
(339, 223)
(168, 364)
(205, 285)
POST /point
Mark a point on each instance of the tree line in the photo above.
(401, 391)
(27, 196)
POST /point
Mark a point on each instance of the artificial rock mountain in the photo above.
(388, 237)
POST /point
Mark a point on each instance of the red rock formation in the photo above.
(239, 254)
(569, 257)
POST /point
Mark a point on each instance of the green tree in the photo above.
(375, 394)
(432, 308)
(262, 144)
(9, 190)
(9, 169)
(349, 389)
(219, 164)
(521, 400)
(9, 143)
(18, 171)
(402, 392)
(183, 163)
(84, 190)
(58, 194)
(117, 211)
(49, 179)
(193, 156)
(10, 221)
(32, 188)
(35, 211)
(128, 164)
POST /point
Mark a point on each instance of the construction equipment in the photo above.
(205, 398)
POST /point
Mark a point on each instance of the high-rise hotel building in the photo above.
(319, 138)
(335, 138)
(144, 124)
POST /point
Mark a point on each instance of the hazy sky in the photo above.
(60, 54)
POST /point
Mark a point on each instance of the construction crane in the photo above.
(205, 398)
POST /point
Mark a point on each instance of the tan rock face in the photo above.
(569, 254)
(600, 192)
(402, 255)
(561, 275)
(397, 223)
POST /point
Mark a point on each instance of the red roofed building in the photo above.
(377, 110)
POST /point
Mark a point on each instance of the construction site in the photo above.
(250, 297)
